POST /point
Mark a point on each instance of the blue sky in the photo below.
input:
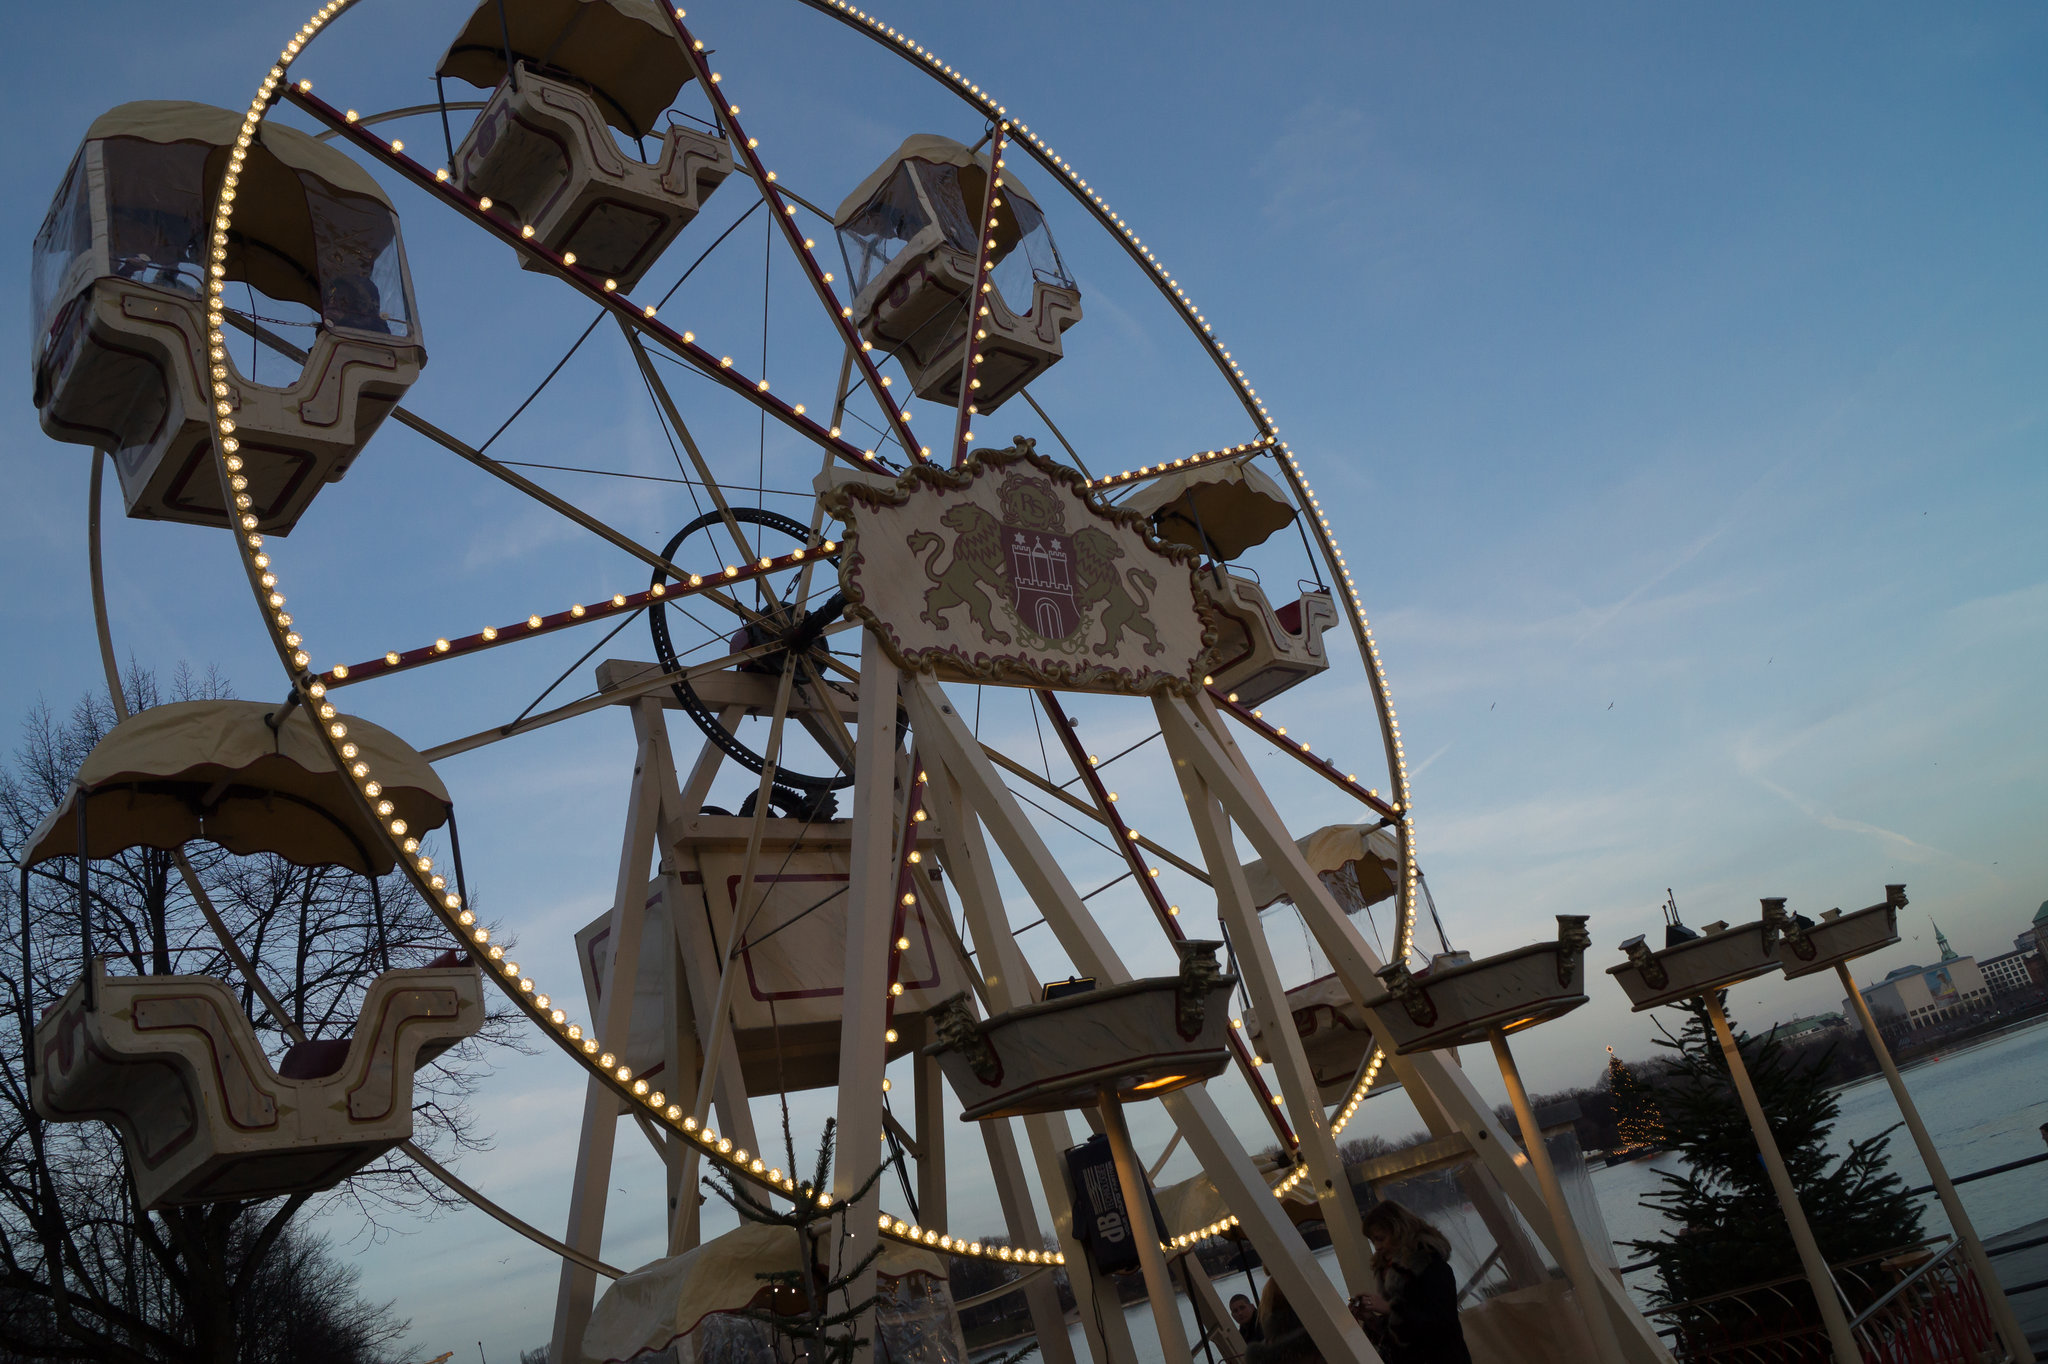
(1674, 377)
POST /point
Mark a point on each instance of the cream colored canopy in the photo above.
(626, 51)
(1362, 860)
(1231, 503)
(176, 120)
(940, 151)
(276, 250)
(215, 770)
(669, 1298)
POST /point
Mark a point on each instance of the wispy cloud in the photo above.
(1315, 167)
(1899, 844)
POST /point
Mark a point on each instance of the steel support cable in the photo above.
(646, 478)
(1114, 756)
(498, 470)
(580, 661)
(1081, 807)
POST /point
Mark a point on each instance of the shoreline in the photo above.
(1964, 1044)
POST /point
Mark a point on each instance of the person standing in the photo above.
(1413, 1319)
(1246, 1316)
(1282, 1337)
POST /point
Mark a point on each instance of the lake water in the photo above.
(1983, 1104)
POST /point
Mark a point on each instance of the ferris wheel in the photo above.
(814, 886)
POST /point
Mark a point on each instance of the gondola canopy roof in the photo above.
(275, 246)
(1222, 509)
(216, 770)
(626, 52)
(1369, 853)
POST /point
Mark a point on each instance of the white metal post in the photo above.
(1818, 1276)
(1578, 1266)
(1958, 1219)
(1130, 1178)
(1433, 1078)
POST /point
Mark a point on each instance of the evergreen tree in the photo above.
(1727, 1229)
(1638, 1122)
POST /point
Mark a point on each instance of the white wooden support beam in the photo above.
(1198, 733)
(1020, 1219)
(871, 898)
(699, 956)
(1308, 1289)
(1203, 1290)
(577, 1288)
(1281, 1044)
(683, 1061)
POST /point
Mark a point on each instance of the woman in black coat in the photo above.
(1414, 1317)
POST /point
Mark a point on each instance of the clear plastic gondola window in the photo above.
(362, 278)
(1024, 253)
(921, 193)
(883, 227)
(66, 235)
(156, 212)
(915, 1321)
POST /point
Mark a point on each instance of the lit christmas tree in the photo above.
(1638, 1124)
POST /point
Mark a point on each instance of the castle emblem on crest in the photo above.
(1015, 574)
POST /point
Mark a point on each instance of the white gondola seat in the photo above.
(908, 234)
(1261, 651)
(123, 357)
(173, 1064)
(543, 150)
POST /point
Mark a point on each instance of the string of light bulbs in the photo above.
(480, 209)
(1250, 447)
(978, 295)
(399, 660)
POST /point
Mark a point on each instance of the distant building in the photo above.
(1922, 996)
(2036, 934)
(1812, 1023)
(2010, 971)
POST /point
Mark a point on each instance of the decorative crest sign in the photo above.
(1007, 570)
